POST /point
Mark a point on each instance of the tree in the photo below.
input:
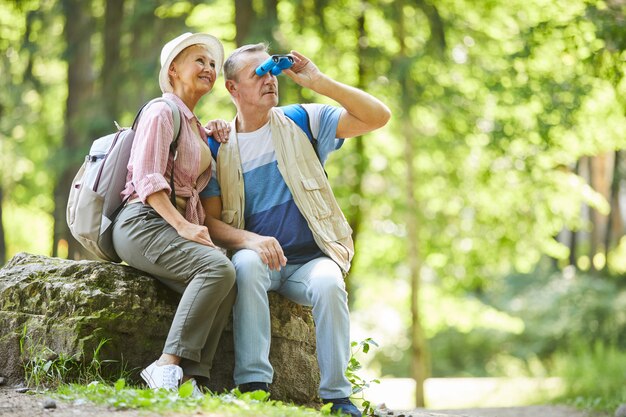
(3, 247)
(80, 81)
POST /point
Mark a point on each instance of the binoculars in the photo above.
(275, 64)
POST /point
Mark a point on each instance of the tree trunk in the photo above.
(111, 70)
(419, 350)
(355, 214)
(593, 218)
(144, 49)
(419, 354)
(244, 18)
(614, 214)
(599, 181)
(3, 247)
(437, 40)
(574, 234)
(78, 30)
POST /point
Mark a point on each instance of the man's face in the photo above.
(251, 91)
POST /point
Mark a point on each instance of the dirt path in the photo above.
(529, 411)
(16, 404)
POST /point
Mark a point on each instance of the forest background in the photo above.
(488, 215)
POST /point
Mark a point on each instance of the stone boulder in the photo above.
(70, 307)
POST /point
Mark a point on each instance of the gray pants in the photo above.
(203, 275)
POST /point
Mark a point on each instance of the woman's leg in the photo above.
(203, 275)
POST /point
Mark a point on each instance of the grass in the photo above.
(121, 396)
(595, 377)
(50, 372)
(45, 368)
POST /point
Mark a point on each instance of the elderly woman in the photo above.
(167, 240)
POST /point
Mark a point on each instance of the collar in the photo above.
(185, 110)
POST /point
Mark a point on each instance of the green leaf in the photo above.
(120, 384)
(326, 409)
(259, 395)
(185, 390)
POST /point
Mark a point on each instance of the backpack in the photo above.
(95, 196)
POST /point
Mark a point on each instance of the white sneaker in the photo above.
(165, 376)
(197, 392)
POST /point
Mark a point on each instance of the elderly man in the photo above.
(279, 213)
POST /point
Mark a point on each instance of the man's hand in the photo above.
(363, 112)
(196, 233)
(268, 249)
(304, 72)
(219, 129)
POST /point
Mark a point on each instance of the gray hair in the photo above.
(233, 64)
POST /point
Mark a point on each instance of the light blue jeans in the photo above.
(318, 284)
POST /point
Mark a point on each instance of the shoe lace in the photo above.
(171, 376)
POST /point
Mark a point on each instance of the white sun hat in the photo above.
(175, 46)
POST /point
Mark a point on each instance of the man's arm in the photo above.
(363, 112)
(228, 237)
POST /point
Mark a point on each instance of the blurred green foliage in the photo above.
(505, 104)
(594, 375)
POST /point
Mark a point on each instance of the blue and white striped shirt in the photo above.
(270, 209)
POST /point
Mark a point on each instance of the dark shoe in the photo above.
(343, 405)
(254, 386)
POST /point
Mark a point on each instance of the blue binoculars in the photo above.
(275, 64)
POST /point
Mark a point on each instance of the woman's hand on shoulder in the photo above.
(219, 129)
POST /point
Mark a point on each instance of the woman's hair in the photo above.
(233, 64)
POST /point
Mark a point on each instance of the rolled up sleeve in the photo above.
(151, 149)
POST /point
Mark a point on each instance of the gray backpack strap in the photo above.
(176, 116)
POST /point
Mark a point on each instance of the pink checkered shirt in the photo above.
(150, 164)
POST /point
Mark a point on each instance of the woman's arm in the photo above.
(194, 232)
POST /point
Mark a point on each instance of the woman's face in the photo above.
(193, 71)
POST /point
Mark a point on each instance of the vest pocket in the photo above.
(331, 229)
(316, 201)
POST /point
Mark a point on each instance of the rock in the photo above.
(70, 307)
(22, 390)
(49, 403)
(3, 381)
(621, 411)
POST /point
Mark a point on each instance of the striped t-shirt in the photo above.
(269, 206)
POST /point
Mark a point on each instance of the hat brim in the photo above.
(213, 45)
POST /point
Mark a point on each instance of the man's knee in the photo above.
(250, 268)
(328, 285)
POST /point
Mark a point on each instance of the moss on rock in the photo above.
(69, 307)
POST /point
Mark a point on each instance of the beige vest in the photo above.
(304, 175)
